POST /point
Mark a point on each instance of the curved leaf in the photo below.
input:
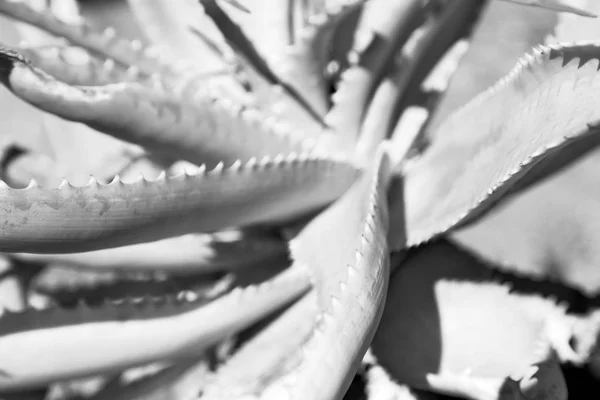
(130, 333)
(71, 219)
(201, 129)
(350, 279)
(549, 230)
(449, 328)
(548, 102)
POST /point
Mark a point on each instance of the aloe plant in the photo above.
(257, 263)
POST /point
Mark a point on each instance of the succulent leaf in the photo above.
(442, 342)
(25, 126)
(515, 236)
(295, 38)
(495, 46)
(62, 134)
(105, 45)
(350, 281)
(181, 286)
(75, 66)
(191, 129)
(235, 379)
(70, 219)
(555, 5)
(543, 106)
(132, 333)
(193, 253)
(380, 31)
(184, 380)
(413, 62)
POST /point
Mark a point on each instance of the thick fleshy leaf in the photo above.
(549, 230)
(106, 44)
(64, 11)
(303, 64)
(570, 28)
(555, 5)
(34, 345)
(203, 129)
(185, 380)
(545, 105)
(67, 287)
(449, 328)
(22, 166)
(500, 38)
(75, 66)
(70, 219)
(381, 31)
(259, 362)
(193, 253)
(20, 123)
(269, 93)
(294, 38)
(414, 61)
(274, 101)
(260, 72)
(350, 278)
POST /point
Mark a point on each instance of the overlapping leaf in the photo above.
(546, 104)
(522, 117)
(549, 229)
(116, 214)
(450, 327)
(351, 284)
(130, 333)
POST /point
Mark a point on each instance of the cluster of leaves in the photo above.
(318, 177)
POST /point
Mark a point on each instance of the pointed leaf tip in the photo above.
(555, 5)
(239, 6)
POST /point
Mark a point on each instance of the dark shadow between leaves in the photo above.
(409, 342)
